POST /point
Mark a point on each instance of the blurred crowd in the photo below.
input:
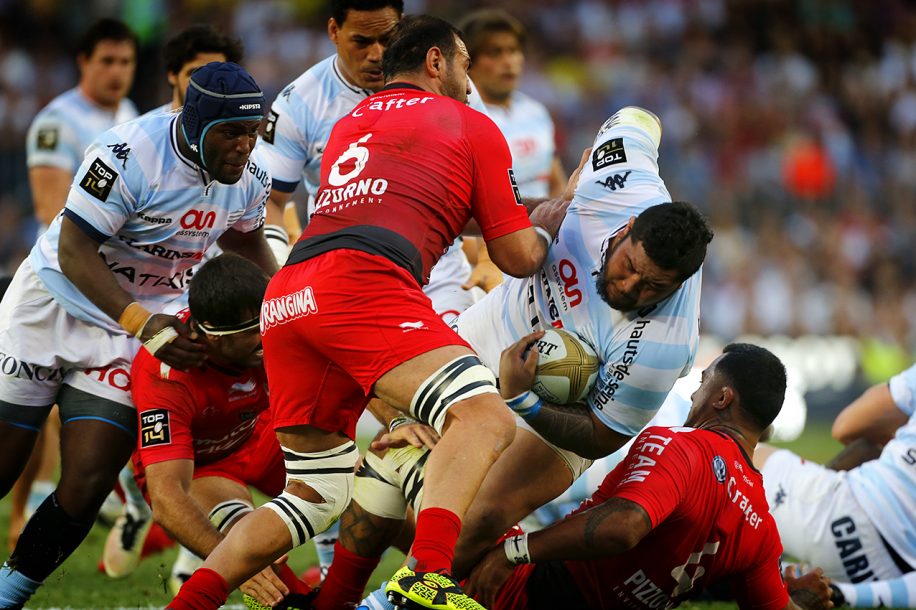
(791, 123)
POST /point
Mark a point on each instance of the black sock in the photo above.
(49, 537)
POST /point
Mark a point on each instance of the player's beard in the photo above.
(601, 284)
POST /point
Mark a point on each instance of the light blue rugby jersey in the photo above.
(154, 212)
(886, 487)
(300, 121)
(60, 134)
(642, 355)
(529, 131)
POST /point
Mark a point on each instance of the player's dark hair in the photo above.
(674, 235)
(340, 8)
(227, 290)
(412, 38)
(479, 25)
(758, 377)
(200, 38)
(104, 29)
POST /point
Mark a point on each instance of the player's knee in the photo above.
(319, 487)
(456, 383)
(487, 415)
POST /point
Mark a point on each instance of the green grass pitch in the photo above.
(79, 585)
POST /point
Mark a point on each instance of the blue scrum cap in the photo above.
(219, 92)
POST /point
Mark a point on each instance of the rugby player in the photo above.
(150, 197)
(854, 516)
(205, 434)
(685, 509)
(346, 318)
(496, 43)
(55, 144)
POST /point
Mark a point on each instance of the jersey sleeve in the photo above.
(100, 199)
(620, 179)
(762, 587)
(656, 473)
(495, 201)
(165, 409)
(284, 146)
(633, 384)
(903, 390)
(51, 142)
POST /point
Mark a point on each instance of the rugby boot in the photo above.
(409, 590)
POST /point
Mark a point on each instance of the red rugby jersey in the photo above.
(403, 173)
(710, 523)
(203, 414)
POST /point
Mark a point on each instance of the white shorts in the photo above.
(821, 523)
(576, 463)
(43, 347)
(445, 281)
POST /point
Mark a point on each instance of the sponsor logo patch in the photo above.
(99, 180)
(47, 138)
(271, 127)
(719, 468)
(612, 183)
(611, 152)
(154, 428)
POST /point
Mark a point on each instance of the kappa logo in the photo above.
(121, 152)
(270, 129)
(154, 428)
(47, 138)
(99, 180)
(612, 183)
(611, 152)
(410, 326)
(780, 498)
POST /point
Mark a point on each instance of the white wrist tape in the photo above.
(160, 339)
(516, 549)
(278, 240)
(545, 234)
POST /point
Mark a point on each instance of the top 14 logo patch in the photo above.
(99, 180)
(611, 152)
(154, 428)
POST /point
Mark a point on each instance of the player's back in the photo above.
(711, 520)
(406, 170)
(529, 131)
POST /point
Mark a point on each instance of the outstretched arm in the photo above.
(873, 415)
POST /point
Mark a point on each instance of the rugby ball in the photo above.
(567, 367)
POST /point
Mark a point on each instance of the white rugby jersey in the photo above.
(62, 131)
(886, 487)
(300, 121)
(529, 131)
(153, 211)
(642, 353)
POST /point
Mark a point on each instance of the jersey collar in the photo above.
(345, 82)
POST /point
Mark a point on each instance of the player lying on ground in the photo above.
(855, 516)
(685, 509)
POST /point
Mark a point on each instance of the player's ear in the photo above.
(434, 61)
(333, 30)
(726, 397)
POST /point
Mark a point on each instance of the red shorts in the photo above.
(331, 326)
(258, 463)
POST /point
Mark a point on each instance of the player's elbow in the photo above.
(841, 432)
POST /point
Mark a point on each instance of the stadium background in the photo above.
(790, 123)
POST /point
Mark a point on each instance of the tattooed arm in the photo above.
(575, 428)
(609, 528)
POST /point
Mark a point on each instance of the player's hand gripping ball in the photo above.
(567, 367)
